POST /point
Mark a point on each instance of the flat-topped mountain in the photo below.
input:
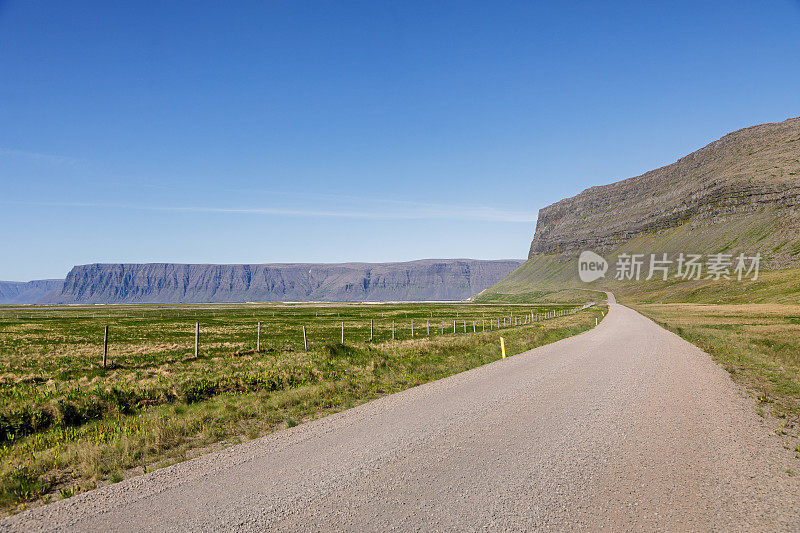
(739, 194)
(750, 172)
(430, 279)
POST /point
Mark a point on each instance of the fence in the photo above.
(498, 323)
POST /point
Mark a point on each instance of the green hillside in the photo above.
(738, 195)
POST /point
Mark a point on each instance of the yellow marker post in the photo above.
(595, 321)
(503, 347)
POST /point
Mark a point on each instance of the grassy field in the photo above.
(68, 424)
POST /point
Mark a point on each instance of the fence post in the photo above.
(105, 346)
(305, 340)
(196, 338)
(258, 338)
(428, 327)
(371, 325)
(454, 326)
(465, 325)
(342, 332)
(412, 328)
(392, 329)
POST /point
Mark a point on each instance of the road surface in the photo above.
(624, 427)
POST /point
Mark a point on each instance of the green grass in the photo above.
(764, 231)
(67, 424)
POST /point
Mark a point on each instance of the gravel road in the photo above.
(623, 427)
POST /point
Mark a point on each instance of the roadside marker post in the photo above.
(428, 326)
(258, 338)
(503, 347)
(392, 329)
(371, 325)
(412, 328)
(105, 346)
(342, 332)
(196, 338)
(305, 339)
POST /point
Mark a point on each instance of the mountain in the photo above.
(430, 279)
(739, 194)
(27, 292)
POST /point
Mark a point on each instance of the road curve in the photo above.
(626, 426)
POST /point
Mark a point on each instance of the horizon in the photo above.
(354, 133)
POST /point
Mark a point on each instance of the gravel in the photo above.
(626, 427)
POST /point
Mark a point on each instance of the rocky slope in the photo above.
(740, 193)
(28, 292)
(432, 279)
(747, 172)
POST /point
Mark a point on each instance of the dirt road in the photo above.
(626, 426)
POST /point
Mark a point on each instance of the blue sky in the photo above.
(354, 131)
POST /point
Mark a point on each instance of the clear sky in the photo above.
(328, 131)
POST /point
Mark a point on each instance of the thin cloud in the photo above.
(39, 157)
(413, 212)
(423, 209)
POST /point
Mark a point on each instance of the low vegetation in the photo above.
(68, 424)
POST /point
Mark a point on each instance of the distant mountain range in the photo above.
(429, 279)
(26, 292)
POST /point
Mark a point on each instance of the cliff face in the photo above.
(446, 279)
(753, 172)
(27, 292)
(740, 194)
